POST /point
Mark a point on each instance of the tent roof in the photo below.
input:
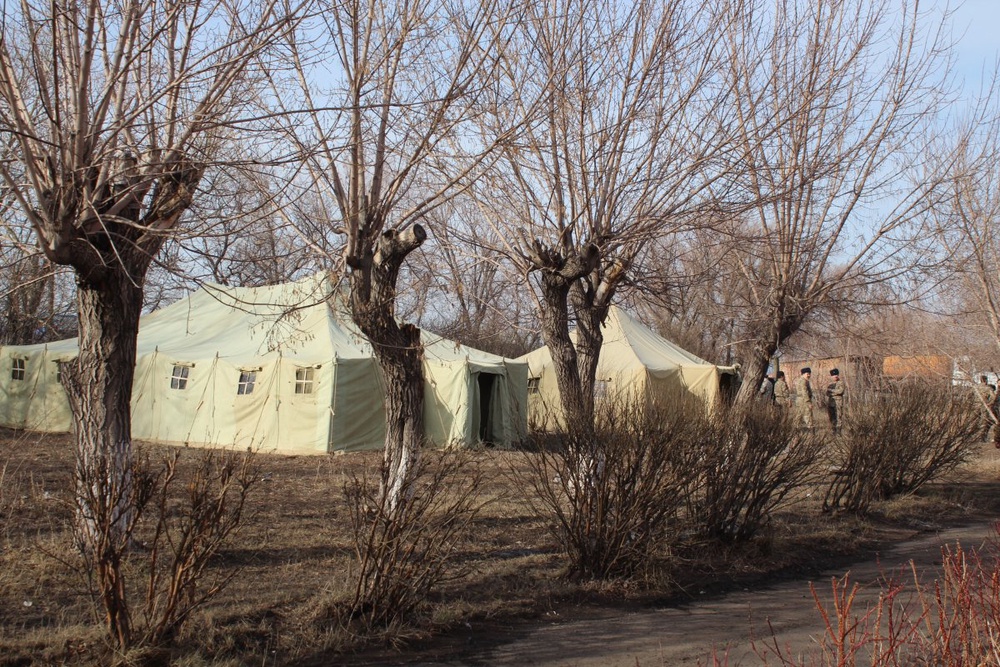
(624, 333)
(251, 322)
(628, 345)
(299, 319)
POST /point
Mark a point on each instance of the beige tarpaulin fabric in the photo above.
(276, 368)
(634, 361)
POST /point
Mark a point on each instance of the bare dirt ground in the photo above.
(734, 623)
(510, 607)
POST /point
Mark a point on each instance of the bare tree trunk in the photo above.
(591, 305)
(99, 386)
(402, 370)
(755, 370)
(784, 322)
(578, 407)
(560, 269)
(589, 340)
(398, 351)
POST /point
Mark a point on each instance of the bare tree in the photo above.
(466, 290)
(966, 226)
(686, 293)
(35, 297)
(387, 145)
(619, 148)
(834, 102)
(242, 237)
(117, 110)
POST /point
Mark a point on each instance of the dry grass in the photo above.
(295, 557)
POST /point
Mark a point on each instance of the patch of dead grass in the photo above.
(295, 557)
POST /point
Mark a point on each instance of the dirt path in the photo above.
(686, 634)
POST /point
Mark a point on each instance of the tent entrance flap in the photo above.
(483, 411)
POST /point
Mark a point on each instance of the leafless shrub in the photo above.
(404, 550)
(951, 622)
(897, 441)
(167, 573)
(616, 491)
(750, 458)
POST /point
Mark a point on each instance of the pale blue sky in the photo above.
(976, 29)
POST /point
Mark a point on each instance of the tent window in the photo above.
(247, 381)
(17, 369)
(179, 377)
(533, 385)
(304, 380)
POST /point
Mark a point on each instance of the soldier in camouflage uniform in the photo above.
(988, 397)
(834, 400)
(804, 398)
(782, 395)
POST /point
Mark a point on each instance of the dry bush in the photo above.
(158, 552)
(616, 491)
(952, 622)
(895, 442)
(750, 459)
(403, 552)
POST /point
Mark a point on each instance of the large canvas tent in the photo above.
(279, 368)
(634, 361)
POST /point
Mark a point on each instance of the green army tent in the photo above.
(278, 368)
(634, 361)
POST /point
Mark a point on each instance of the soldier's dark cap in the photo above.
(835, 372)
(806, 370)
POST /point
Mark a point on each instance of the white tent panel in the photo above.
(634, 361)
(275, 368)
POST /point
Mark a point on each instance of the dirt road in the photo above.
(686, 634)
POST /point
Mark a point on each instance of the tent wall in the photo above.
(211, 411)
(453, 404)
(358, 406)
(275, 332)
(634, 362)
(31, 397)
(702, 381)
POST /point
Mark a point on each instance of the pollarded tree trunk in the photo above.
(755, 369)
(784, 322)
(99, 382)
(402, 371)
(589, 340)
(591, 299)
(398, 351)
(559, 271)
(578, 411)
(111, 254)
(99, 386)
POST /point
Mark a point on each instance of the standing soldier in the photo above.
(767, 388)
(834, 400)
(987, 396)
(804, 398)
(782, 395)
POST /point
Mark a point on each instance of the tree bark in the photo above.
(399, 354)
(755, 370)
(591, 298)
(560, 270)
(758, 358)
(99, 388)
(578, 411)
(401, 365)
